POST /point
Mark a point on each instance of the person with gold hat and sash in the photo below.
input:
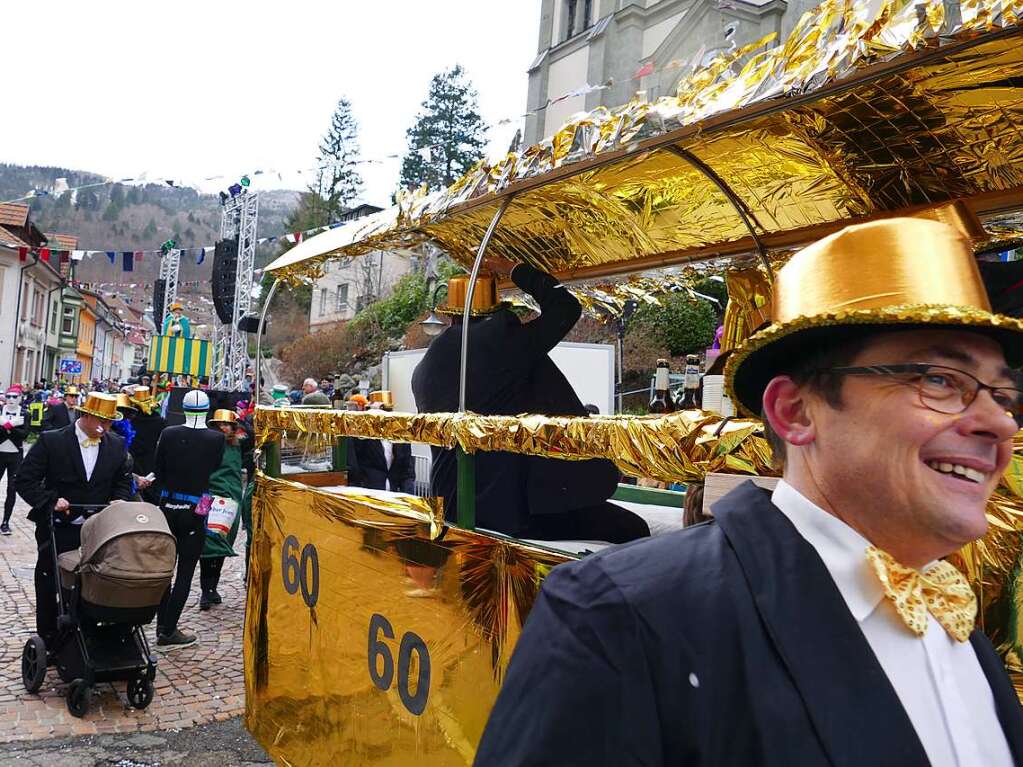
(817, 624)
(380, 464)
(83, 463)
(510, 372)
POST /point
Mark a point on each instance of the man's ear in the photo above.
(785, 409)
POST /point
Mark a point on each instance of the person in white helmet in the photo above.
(186, 455)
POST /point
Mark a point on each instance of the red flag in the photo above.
(23, 254)
(65, 256)
(138, 255)
(44, 254)
(298, 236)
(645, 70)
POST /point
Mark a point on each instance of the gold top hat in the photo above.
(484, 298)
(101, 405)
(142, 398)
(224, 416)
(124, 401)
(384, 397)
(174, 306)
(868, 278)
(71, 391)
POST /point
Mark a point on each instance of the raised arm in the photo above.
(559, 309)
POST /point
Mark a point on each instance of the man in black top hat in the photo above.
(186, 455)
(511, 372)
(81, 464)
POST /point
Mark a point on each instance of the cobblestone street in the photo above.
(195, 685)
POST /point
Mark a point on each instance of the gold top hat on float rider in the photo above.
(225, 416)
(142, 399)
(484, 298)
(864, 279)
(383, 397)
(100, 405)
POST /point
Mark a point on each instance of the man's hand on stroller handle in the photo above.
(62, 505)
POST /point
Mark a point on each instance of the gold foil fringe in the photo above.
(681, 447)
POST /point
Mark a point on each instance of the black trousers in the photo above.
(604, 522)
(68, 538)
(209, 573)
(190, 533)
(9, 463)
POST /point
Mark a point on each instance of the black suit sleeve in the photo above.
(407, 480)
(160, 464)
(579, 690)
(32, 474)
(121, 489)
(559, 309)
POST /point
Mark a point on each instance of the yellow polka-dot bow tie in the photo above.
(90, 441)
(941, 591)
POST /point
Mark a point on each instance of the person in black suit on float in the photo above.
(148, 425)
(186, 455)
(63, 413)
(80, 464)
(814, 625)
(510, 372)
(380, 464)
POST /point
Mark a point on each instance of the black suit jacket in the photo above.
(147, 433)
(510, 373)
(367, 466)
(53, 469)
(186, 457)
(56, 417)
(726, 643)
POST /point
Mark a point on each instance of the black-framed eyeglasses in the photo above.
(943, 389)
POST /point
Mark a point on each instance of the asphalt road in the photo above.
(221, 744)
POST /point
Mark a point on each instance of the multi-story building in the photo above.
(30, 280)
(349, 285)
(602, 52)
(86, 346)
(71, 303)
(53, 353)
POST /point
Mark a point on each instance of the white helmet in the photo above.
(195, 402)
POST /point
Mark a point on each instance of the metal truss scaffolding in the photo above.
(170, 263)
(238, 220)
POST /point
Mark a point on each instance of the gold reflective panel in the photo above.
(369, 642)
(866, 110)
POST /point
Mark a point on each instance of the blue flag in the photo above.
(111, 255)
(129, 260)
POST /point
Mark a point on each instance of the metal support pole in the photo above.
(272, 459)
(470, 289)
(339, 454)
(740, 207)
(466, 489)
(259, 336)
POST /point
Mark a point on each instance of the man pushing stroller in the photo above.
(82, 464)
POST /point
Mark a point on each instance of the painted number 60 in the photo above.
(301, 573)
(381, 664)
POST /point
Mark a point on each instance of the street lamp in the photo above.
(433, 325)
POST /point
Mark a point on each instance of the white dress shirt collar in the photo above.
(79, 434)
(842, 549)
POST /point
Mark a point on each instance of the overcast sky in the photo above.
(187, 90)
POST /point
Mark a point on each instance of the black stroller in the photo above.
(107, 590)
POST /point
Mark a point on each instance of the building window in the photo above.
(342, 297)
(26, 296)
(54, 311)
(39, 309)
(323, 301)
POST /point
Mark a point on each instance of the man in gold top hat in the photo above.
(511, 372)
(816, 624)
(82, 464)
(63, 413)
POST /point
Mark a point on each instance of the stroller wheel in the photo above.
(140, 692)
(33, 663)
(79, 695)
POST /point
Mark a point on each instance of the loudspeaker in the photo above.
(159, 296)
(225, 272)
(249, 323)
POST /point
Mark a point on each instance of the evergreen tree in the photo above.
(449, 135)
(339, 182)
